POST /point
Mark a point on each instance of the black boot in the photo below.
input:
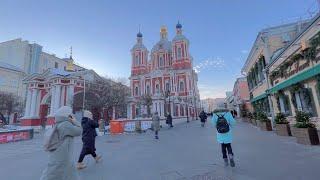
(226, 162)
(232, 163)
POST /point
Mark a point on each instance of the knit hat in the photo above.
(87, 114)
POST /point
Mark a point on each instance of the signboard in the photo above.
(14, 136)
(145, 125)
(129, 126)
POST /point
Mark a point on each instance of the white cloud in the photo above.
(209, 64)
(208, 91)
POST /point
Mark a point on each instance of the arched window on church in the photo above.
(181, 86)
(148, 90)
(136, 91)
(179, 53)
(167, 86)
(157, 88)
(137, 60)
(161, 61)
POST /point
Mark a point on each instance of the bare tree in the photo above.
(106, 94)
(10, 103)
(146, 100)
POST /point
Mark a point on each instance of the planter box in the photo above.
(254, 122)
(245, 119)
(265, 126)
(283, 130)
(307, 136)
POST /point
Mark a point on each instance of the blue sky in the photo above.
(221, 32)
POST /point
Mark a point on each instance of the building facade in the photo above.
(20, 58)
(241, 96)
(165, 77)
(294, 75)
(268, 44)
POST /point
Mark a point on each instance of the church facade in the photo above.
(163, 80)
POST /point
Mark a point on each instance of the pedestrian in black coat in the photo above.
(203, 118)
(169, 120)
(88, 138)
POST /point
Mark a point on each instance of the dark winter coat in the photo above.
(89, 133)
(169, 119)
(203, 116)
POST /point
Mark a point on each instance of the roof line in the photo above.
(295, 39)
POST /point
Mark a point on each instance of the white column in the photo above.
(62, 95)
(38, 102)
(70, 94)
(187, 84)
(52, 110)
(57, 97)
(315, 98)
(28, 103)
(33, 103)
(171, 107)
(282, 109)
(298, 101)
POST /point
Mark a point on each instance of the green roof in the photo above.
(261, 96)
(297, 78)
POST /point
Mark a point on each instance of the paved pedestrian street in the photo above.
(185, 152)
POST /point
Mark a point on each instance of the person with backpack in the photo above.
(88, 138)
(224, 123)
(203, 118)
(59, 145)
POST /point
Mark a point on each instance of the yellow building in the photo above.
(268, 44)
(294, 74)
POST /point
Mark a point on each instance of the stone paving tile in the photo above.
(185, 152)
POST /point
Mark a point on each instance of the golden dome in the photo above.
(163, 29)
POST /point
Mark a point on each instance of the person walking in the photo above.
(156, 124)
(169, 120)
(88, 138)
(203, 118)
(60, 165)
(224, 123)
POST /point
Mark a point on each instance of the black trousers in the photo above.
(85, 152)
(226, 147)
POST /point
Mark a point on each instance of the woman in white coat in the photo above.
(61, 165)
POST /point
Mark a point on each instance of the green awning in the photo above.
(297, 78)
(261, 96)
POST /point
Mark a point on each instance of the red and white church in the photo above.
(166, 75)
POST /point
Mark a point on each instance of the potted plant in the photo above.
(254, 119)
(244, 115)
(264, 122)
(250, 117)
(304, 130)
(282, 125)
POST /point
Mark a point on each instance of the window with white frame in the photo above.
(181, 86)
(167, 86)
(148, 89)
(161, 61)
(179, 53)
(157, 88)
(136, 91)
